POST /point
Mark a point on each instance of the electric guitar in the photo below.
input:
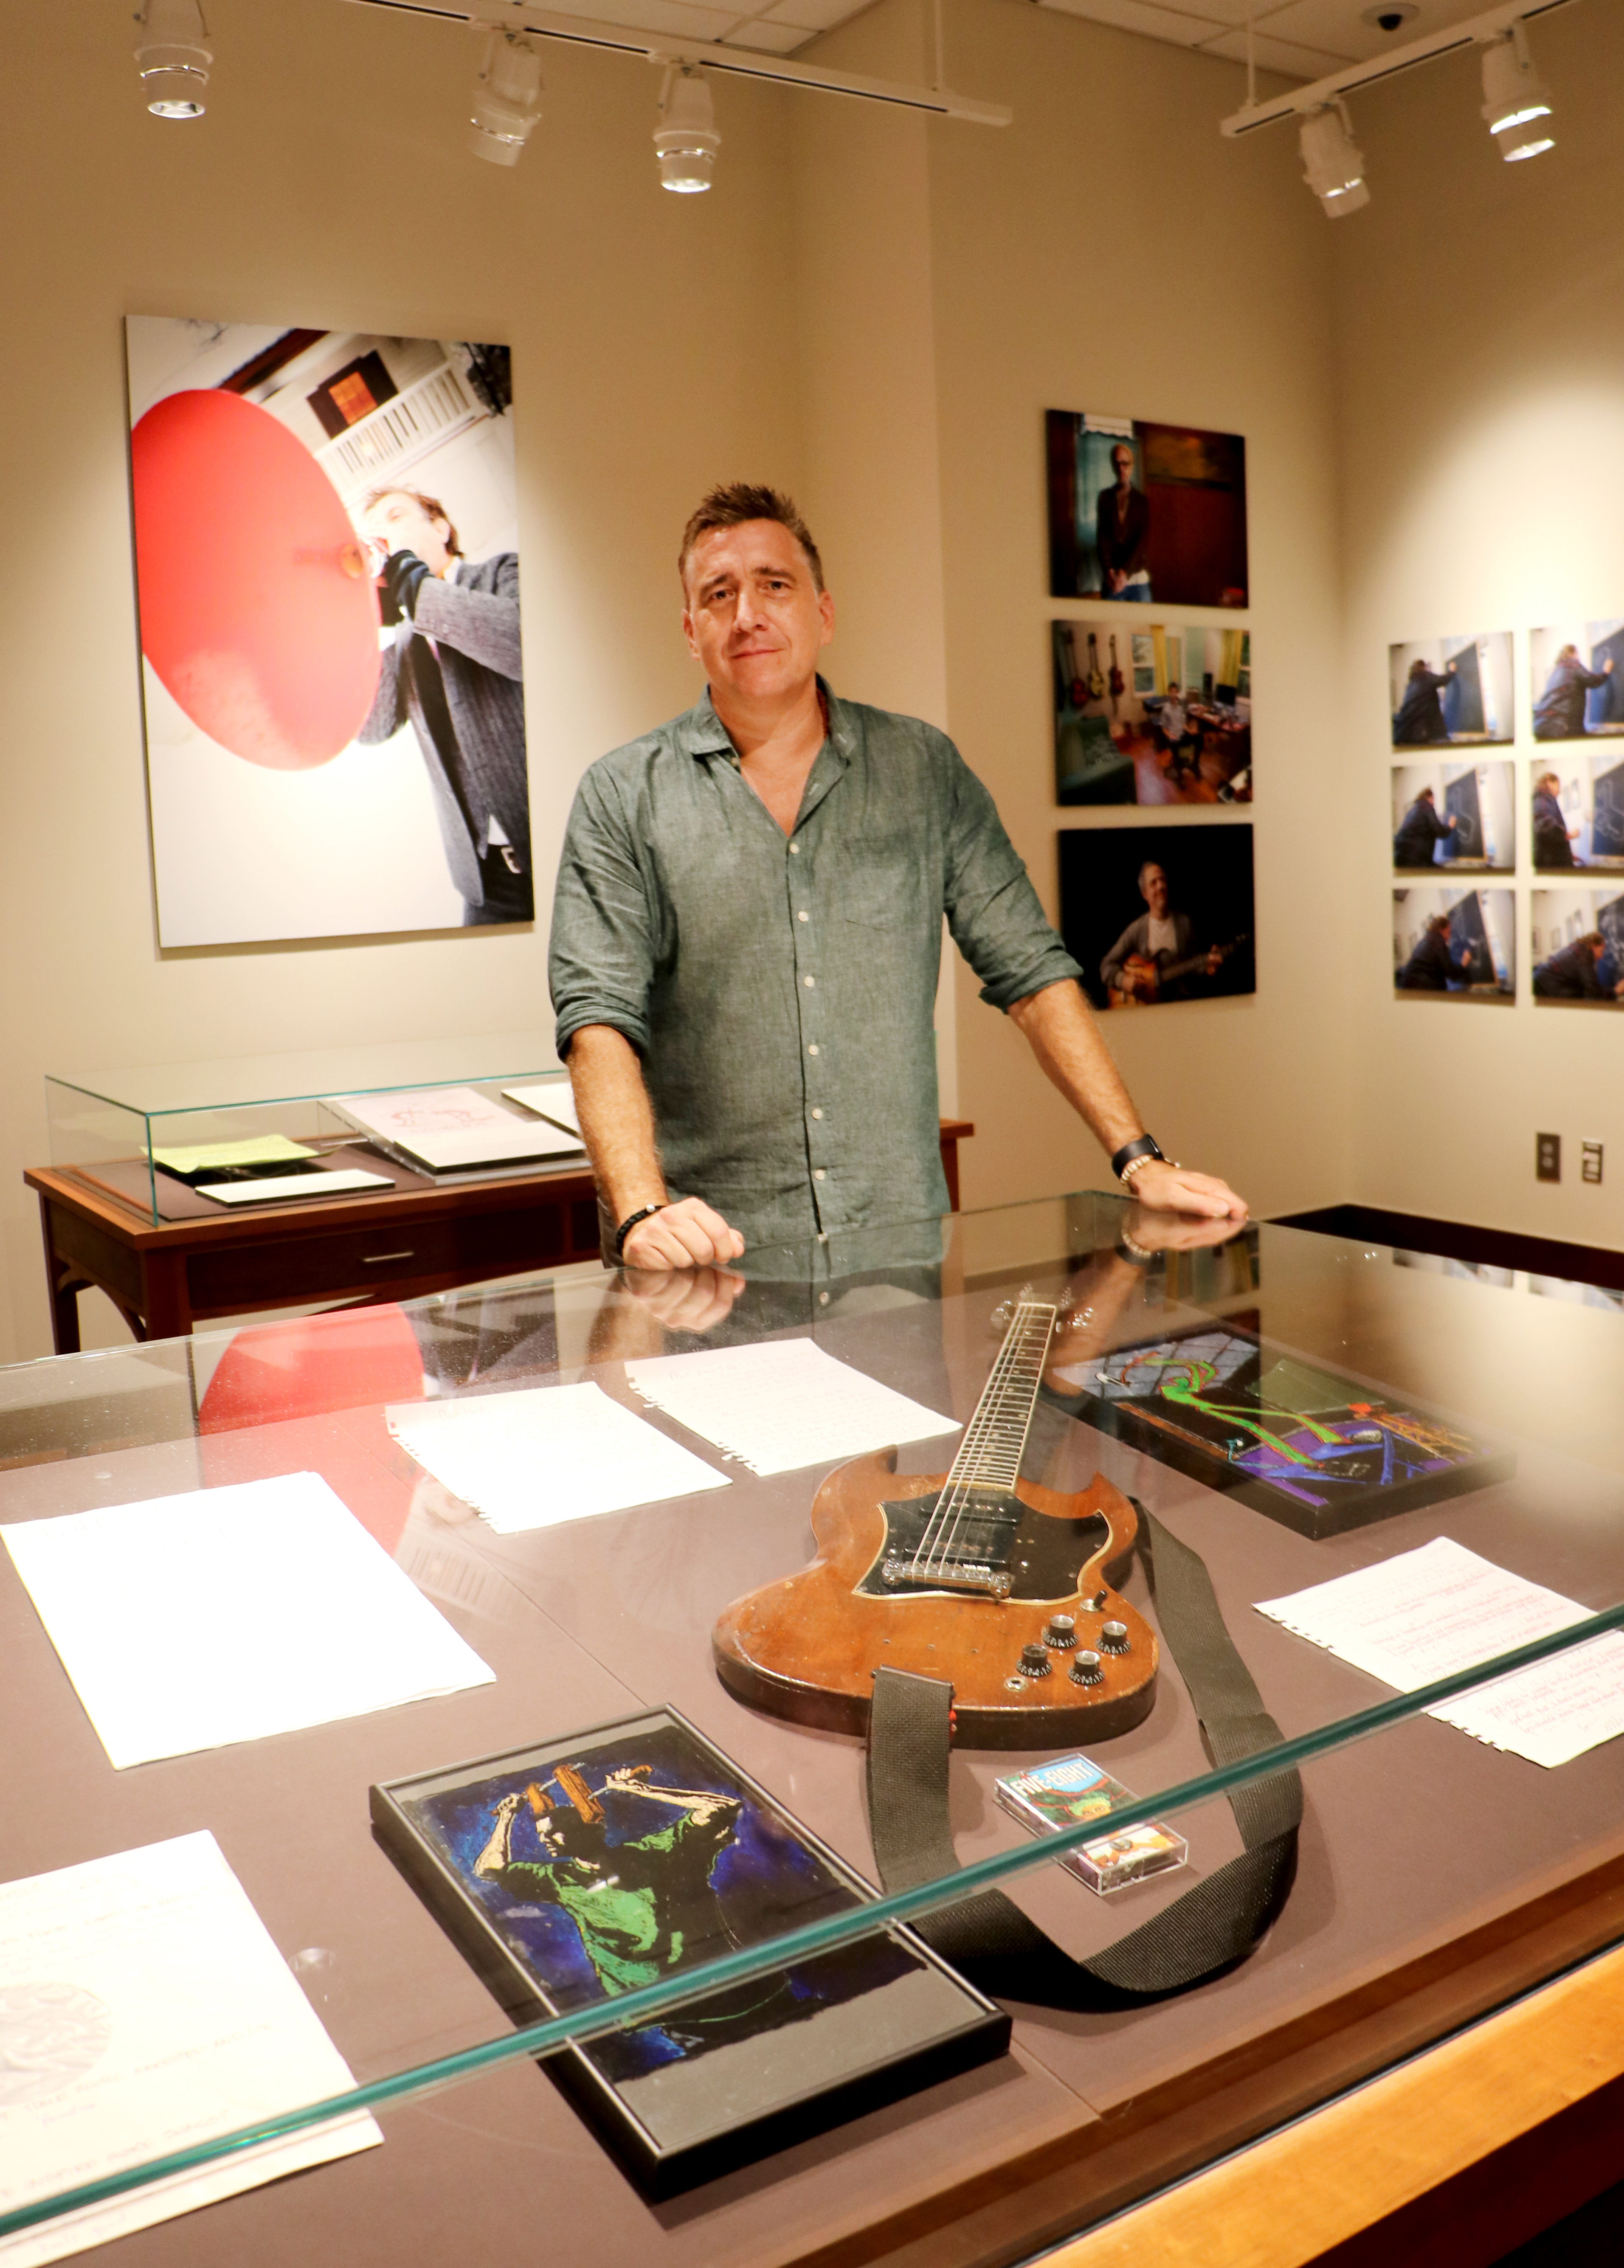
(1117, 682)
(1069, 671)
(1097, 682)
(975, 1576)
(1143, 976)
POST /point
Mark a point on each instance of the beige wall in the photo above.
(655, 350)
(1482, 346)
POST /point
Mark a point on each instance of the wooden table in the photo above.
(164, 1277)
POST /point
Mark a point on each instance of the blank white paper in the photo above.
(284, 1189)
(228, 1614)
(1429, 1613)
(547, 1453)
(554, 1098)
(144, 2010)
(782, 1404)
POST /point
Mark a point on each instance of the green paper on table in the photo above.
(218, 1157)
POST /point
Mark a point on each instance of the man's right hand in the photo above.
(687, 1234)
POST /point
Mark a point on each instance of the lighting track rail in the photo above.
(1325, 93)
(712, 56)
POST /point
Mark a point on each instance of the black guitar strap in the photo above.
(1209, 1928)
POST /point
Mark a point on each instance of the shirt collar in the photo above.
(701, 732)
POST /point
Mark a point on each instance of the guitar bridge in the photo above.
(948, 1575)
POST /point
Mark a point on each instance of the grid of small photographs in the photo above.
(1151, 701)
(1455, 814)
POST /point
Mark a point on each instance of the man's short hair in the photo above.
(1150, 866)
(734, 504)
(430, 507)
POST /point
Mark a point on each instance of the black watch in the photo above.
(628, 1224)
(1146, 1146)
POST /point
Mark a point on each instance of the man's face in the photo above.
(1152, 889)
(1122, 465)
(755, 619)
(399, 523)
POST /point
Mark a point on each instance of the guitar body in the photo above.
(1097, 681)
(807, 1647)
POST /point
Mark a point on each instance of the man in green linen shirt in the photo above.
(747, 932)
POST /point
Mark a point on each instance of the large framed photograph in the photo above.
(1576, 680)
(1145, 514)
(1455, 943)
(1577, 944)
(1156, 915)
(1315, 1450)
(1462, 816)
(582, 1868)
(326, 567)
(1451, 689)
(1156, 715)
(1576, 809)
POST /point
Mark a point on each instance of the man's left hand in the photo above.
(1165, 1187)
(403, 575)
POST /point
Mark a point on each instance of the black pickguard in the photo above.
(1043, 1557)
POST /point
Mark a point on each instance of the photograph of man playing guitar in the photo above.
(1156, 955)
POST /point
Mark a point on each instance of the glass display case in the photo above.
(660, 1513)
(149, 1135)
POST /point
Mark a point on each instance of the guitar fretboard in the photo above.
(989, 1456)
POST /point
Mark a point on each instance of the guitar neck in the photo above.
(989, 1456)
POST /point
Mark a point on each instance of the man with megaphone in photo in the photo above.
(453, 670)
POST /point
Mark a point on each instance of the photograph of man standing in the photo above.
(454, 670)
(1121, 531)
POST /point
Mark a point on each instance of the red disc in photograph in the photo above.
(256, 608)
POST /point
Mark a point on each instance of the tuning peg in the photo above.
(1002, 1315)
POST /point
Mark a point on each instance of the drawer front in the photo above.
(460, 1247)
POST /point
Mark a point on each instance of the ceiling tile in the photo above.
(1181, 26)
(1286, 57)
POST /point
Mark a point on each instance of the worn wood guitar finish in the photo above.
(975, 1576)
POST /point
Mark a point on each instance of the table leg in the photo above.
(168, 1305)
(62, 1283)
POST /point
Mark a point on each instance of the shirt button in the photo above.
(812, 1050)
(818, 1114)
(817, 1173)
(808, 981)
(803, 915)
(823, 1299)
(795, 849)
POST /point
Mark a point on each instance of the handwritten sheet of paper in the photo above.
(451, 1128)
(192, 1622)
(782, 1404)
(547, 1453)
(144, 2008)
(1431, 1612)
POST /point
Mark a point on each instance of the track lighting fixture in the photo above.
(507, 98)
(1333, 163)
(1516, 105)
(686, 140)
(172, 58)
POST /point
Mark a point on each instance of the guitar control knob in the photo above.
(1034, 1661)
(1113, 1638)
(1086, 1668)
(1061, 1633)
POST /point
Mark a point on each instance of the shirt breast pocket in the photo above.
(887, 886)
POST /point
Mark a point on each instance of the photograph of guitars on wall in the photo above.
(1455, 942)
(1167, 721)
(1157, 915)
(1447, 689)
(586, 1868)
(1316, 1451)
(1145, 514)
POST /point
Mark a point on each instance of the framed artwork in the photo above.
(1156, 915)
(1461, 816)
(1161, 715)
(1577, 945)
(1145, 514)
(1575, 685)
(1454, 943)
(1315, 1450)
(327, 571)
(582, 1868)
(1451, 689)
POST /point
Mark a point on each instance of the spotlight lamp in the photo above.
(173, 59)
(1516, 105)
(686, 140)
(1333, 162)
(507, 98)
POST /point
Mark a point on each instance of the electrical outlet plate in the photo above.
(1548, 1157)
(1590, 1162)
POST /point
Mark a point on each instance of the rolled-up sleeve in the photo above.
(991, 907)
(601, 961)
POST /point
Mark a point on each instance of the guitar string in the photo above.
(995, 1438)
